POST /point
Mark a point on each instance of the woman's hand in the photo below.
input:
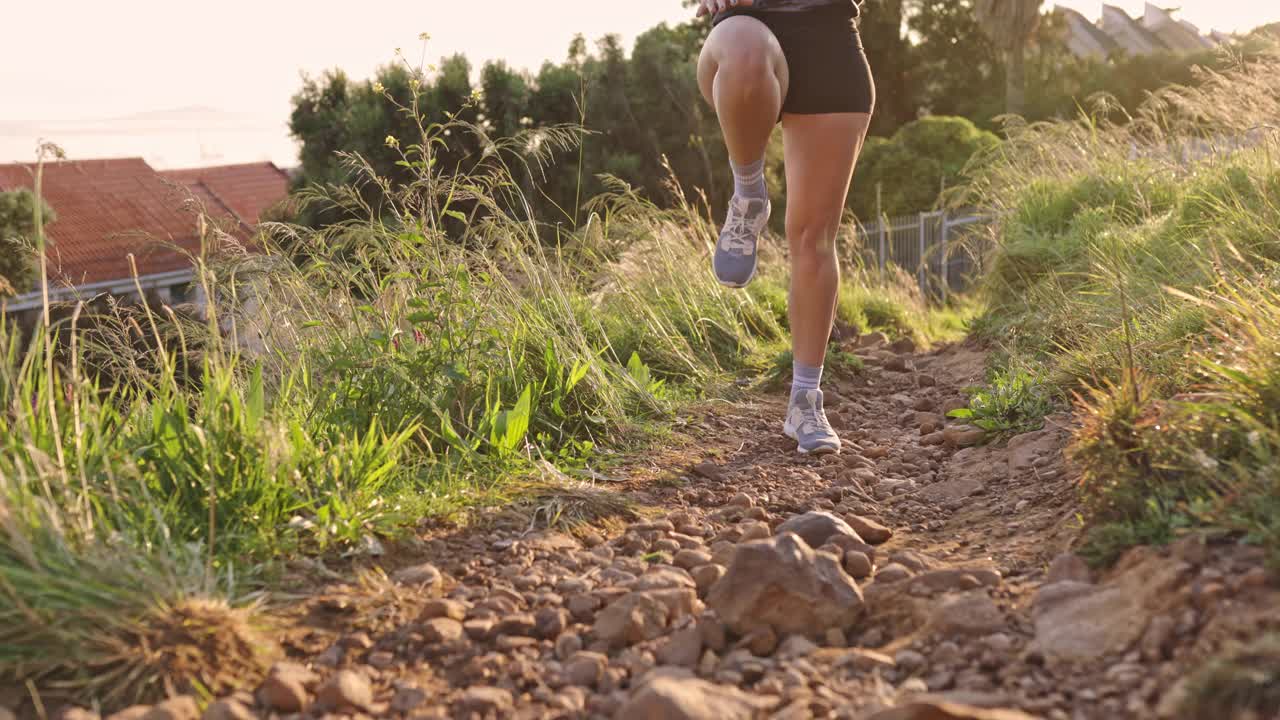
(711, 7)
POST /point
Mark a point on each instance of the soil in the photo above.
(970, 600)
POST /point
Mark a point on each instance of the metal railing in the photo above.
(944, 252)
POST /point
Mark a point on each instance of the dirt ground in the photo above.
(938, 584)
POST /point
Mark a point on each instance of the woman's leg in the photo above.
(743, 74)
(821, 151)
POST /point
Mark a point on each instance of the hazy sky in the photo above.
(80, 59)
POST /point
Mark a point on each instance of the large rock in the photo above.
(817, 528)
(1078, 622)
(643, 615)
(672, 697)
(783, 584)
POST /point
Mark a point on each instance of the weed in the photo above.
(1013, 402)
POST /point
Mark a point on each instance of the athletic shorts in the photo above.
(829, 72)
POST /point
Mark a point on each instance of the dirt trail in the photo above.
(963, 594)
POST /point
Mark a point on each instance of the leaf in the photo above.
(962, 413)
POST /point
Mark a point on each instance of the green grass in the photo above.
(1139, 282)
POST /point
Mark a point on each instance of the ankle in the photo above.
(748, 180)
(805, 378)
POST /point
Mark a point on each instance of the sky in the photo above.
(77, 61)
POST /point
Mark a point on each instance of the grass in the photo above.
(160, 466)
(1135, 277)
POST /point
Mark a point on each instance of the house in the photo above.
(108, 210)
(1085, 39)
(1132, 37)
(1177, 35)
(1116, 31)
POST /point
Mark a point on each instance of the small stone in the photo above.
(346, 689)
(451, 609)
(485, 701)
(284, 692)
(227, 709)
(585, 669)
(476, 629)
(796, 646)
(835, 638)
(381, 659)
(568, 644)
(182, 707)
(519, 624)
(683, 648)
(857, 564)
(550, 622)
(909, 660)
(714, 635)
(426, 576)
(70, 713)
(974, 614)
(926, 380)
(704, 576)
(407, 699)
(690, 559)
(711, 471)
(133, 712)
(761, 642)
(671, 697)
(1068, 566)
(442, 630)
(754, 531)
(869, 530)
(742, 500)
(963, 435)
(1155, 641)
(893, 572)
(817, 527)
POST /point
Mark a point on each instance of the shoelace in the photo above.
(738, 236)
(813, 422)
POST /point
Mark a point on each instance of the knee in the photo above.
(746, 71)
(812, 246)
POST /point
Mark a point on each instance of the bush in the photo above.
(914, 166)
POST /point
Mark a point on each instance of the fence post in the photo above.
(920, 264)
(880, 220)
(946, 259)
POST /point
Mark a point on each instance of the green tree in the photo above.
(18, 262)
(914, 166)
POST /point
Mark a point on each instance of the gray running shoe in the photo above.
(807, 425)
(735, 259)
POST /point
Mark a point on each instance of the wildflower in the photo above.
(414, 83)
(392, 142)
(424, 37)
(418, 336)
(379, 88)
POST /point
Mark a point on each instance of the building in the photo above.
(1177, 35)
(1116, 32)
(1085, 39)
(108, 210)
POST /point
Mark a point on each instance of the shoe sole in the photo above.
(824, 450)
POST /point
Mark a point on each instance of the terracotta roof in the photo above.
(247, 189)
(107, 209)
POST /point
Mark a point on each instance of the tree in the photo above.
(883, 27)
(1010, 25)
(914, 166)
(18, 262)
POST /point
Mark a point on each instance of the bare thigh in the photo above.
(820, 153)
(740, 40)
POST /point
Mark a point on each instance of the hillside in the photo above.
(456, 471)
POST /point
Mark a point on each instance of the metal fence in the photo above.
(942, 251)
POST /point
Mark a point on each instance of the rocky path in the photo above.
(915, 576)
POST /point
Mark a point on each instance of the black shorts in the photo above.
(829, 72)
